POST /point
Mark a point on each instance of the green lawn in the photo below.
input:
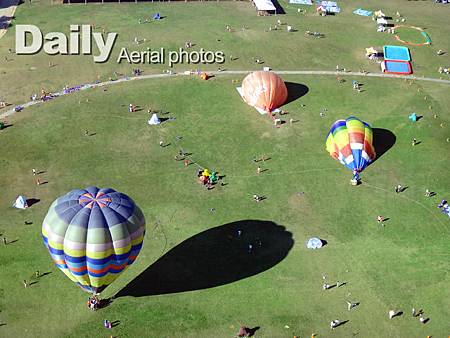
(403, 265)
(400, 266)
(346, 37)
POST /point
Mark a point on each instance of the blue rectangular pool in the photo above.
(397, 67)
(396, 53)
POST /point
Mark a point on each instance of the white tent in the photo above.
(382, 21)
(20, 203)
(314, 243)
(154, 120)
(264, 5)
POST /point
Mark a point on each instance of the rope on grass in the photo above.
(409, 199)
(424, 34)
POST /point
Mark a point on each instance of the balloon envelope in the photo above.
(264, 90)
(350, 142)
(93, 234)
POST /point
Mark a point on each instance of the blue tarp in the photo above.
(330, 6)
(301, 2)
(362, 12)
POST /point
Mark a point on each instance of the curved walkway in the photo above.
(228, 72)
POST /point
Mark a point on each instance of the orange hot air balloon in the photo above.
(264, 90)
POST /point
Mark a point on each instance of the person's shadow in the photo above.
(252, 331)
(214, 257)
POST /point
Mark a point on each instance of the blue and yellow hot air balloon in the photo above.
(350, 141)
(93, 235)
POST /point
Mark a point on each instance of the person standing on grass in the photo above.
(414, 141)
(34, 172)
(380, 220)
(258, 170)
(334, 324)
(107, 324)
(256, 198)
(243, 331)
(422, 319)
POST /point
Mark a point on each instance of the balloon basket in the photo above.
(355, 182)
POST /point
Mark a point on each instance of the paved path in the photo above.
(7, 10)
(230, 72)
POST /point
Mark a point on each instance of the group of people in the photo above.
(208, 179)
(356, 86)
(93, 303)
(422, 319)
(444, 70)
(131, 108)
(356, 179)
(445, 208)
(137, 71)
(44, 96)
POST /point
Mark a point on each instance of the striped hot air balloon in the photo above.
(350, 142)
(264, 90)
(93, 235)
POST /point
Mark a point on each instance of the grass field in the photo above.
(200, 288)
(346, 37)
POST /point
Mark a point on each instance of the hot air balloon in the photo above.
(264, 90)
(350, 142)
(93, 235)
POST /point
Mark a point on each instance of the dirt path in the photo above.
(230, 72)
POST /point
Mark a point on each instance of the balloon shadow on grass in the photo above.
(214, 257)
(295, 91)
(383, 140)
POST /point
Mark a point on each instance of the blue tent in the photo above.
(157, 16)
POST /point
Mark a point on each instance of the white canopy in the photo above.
(154, 120)
(264, 5)
(20, 203)
(314, 243)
